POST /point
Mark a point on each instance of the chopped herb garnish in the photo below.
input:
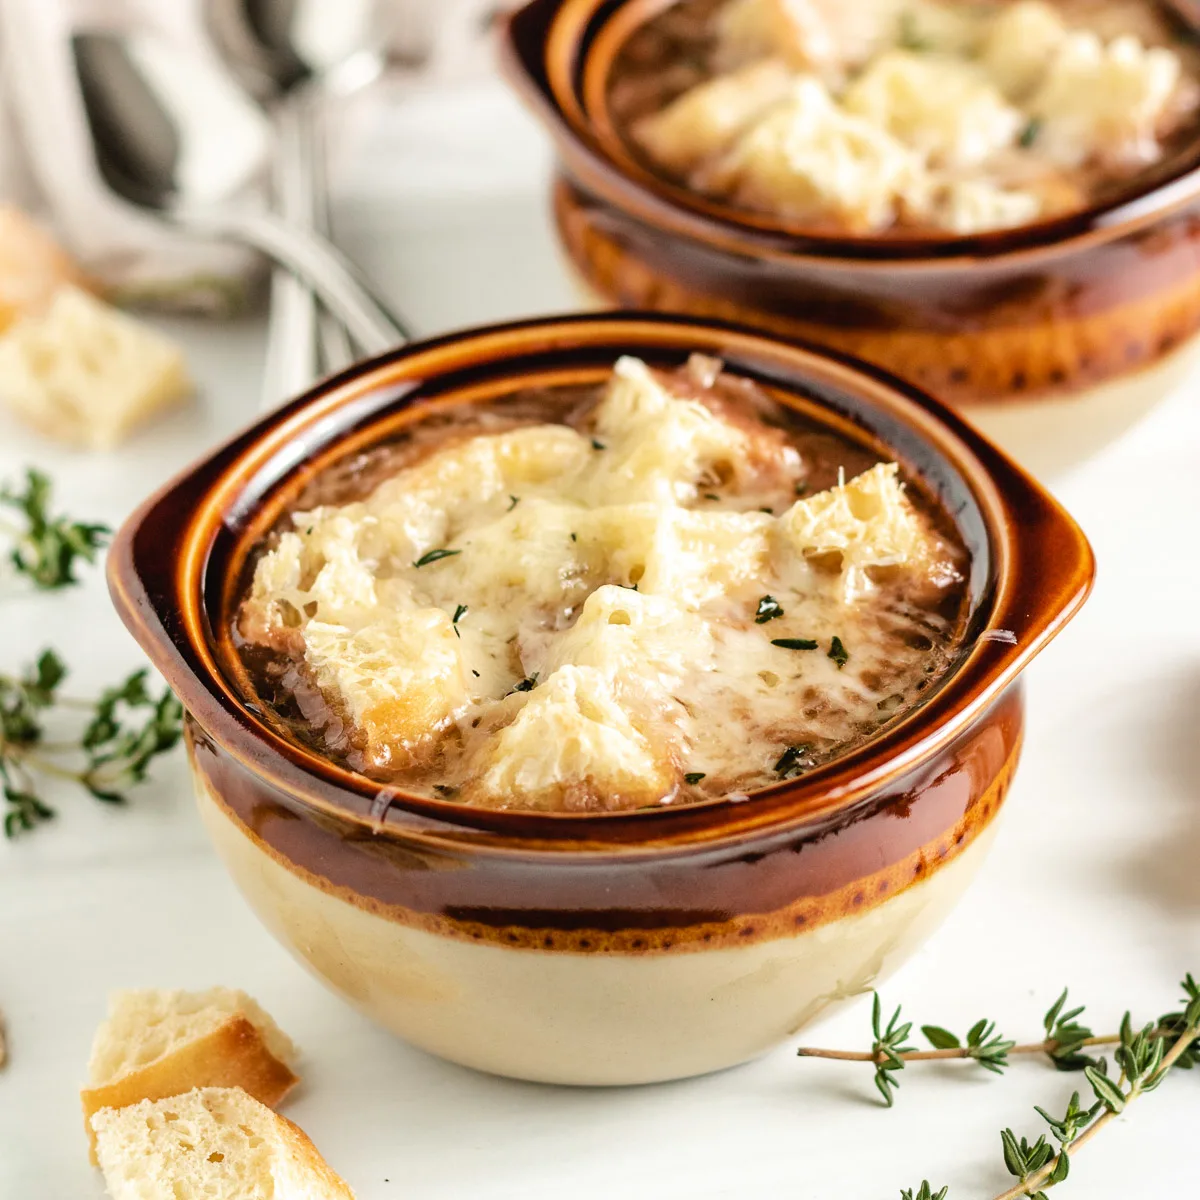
(1029, 134)
(769, 511)
(513, 501)
(911, 37)
(789, 761)
(598, 445)
(768, 609)
(475, 672)
(694, 776)
(444, 791)
(459, 613)
(527, 684)
(574, 537)
(711, 496)
(432, 556)
(839, 653)
(794, 643)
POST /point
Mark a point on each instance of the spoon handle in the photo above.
(291, 357)
(338, 284)
(335, 350)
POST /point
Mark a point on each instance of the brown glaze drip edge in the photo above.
(780, 886)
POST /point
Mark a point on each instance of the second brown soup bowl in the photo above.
(1052, 337)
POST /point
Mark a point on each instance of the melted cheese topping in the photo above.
(918, 113)
(562, 620)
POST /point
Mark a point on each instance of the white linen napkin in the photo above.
(46, 159)
(48, 156)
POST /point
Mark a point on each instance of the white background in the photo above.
(1094, 880)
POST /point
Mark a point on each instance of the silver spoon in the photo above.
(299, 54)
(157, 146)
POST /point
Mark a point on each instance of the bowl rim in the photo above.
(158, 572)
(549, 51)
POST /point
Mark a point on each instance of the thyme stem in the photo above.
(866, 1056)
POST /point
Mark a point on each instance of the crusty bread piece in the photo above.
(86, 373)
(158, 1043)
(210, 1144)
(32, 267)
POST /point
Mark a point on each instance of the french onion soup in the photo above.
(870, 117)
(663, 589)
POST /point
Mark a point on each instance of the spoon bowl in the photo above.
(176, 137)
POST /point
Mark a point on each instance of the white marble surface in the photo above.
(1094, 881)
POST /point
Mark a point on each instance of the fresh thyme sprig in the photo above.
(1064, 1044)
(1143, 1055)
(127, 728)
(46, 548)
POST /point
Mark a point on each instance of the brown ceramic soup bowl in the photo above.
(609, 948)
(1057, 335)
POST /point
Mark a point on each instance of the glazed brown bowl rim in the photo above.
(552, 85)
(158, 570)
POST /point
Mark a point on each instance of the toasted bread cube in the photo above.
(626, 634)
(945, 109)
(421, 508)
(210, 1144)
(1020, 44)
(658, 447)
(399, 679)
(865, 523)
(157, 1043)
(686, 555)
(811, 160)
(830, 37)
(1107, 102)
(572, 747)
(87, 374)
(707, 119)
(975, 205)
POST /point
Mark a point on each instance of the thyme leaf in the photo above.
(794, 643)
(1029, 135)
(789, 762)
(839, 653)
(768, 609)
(432, 556)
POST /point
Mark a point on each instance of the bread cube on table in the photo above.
(85, 373)
(158, 1043)
(210, 1144)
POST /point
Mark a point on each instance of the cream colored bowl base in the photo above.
(573, 1018)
